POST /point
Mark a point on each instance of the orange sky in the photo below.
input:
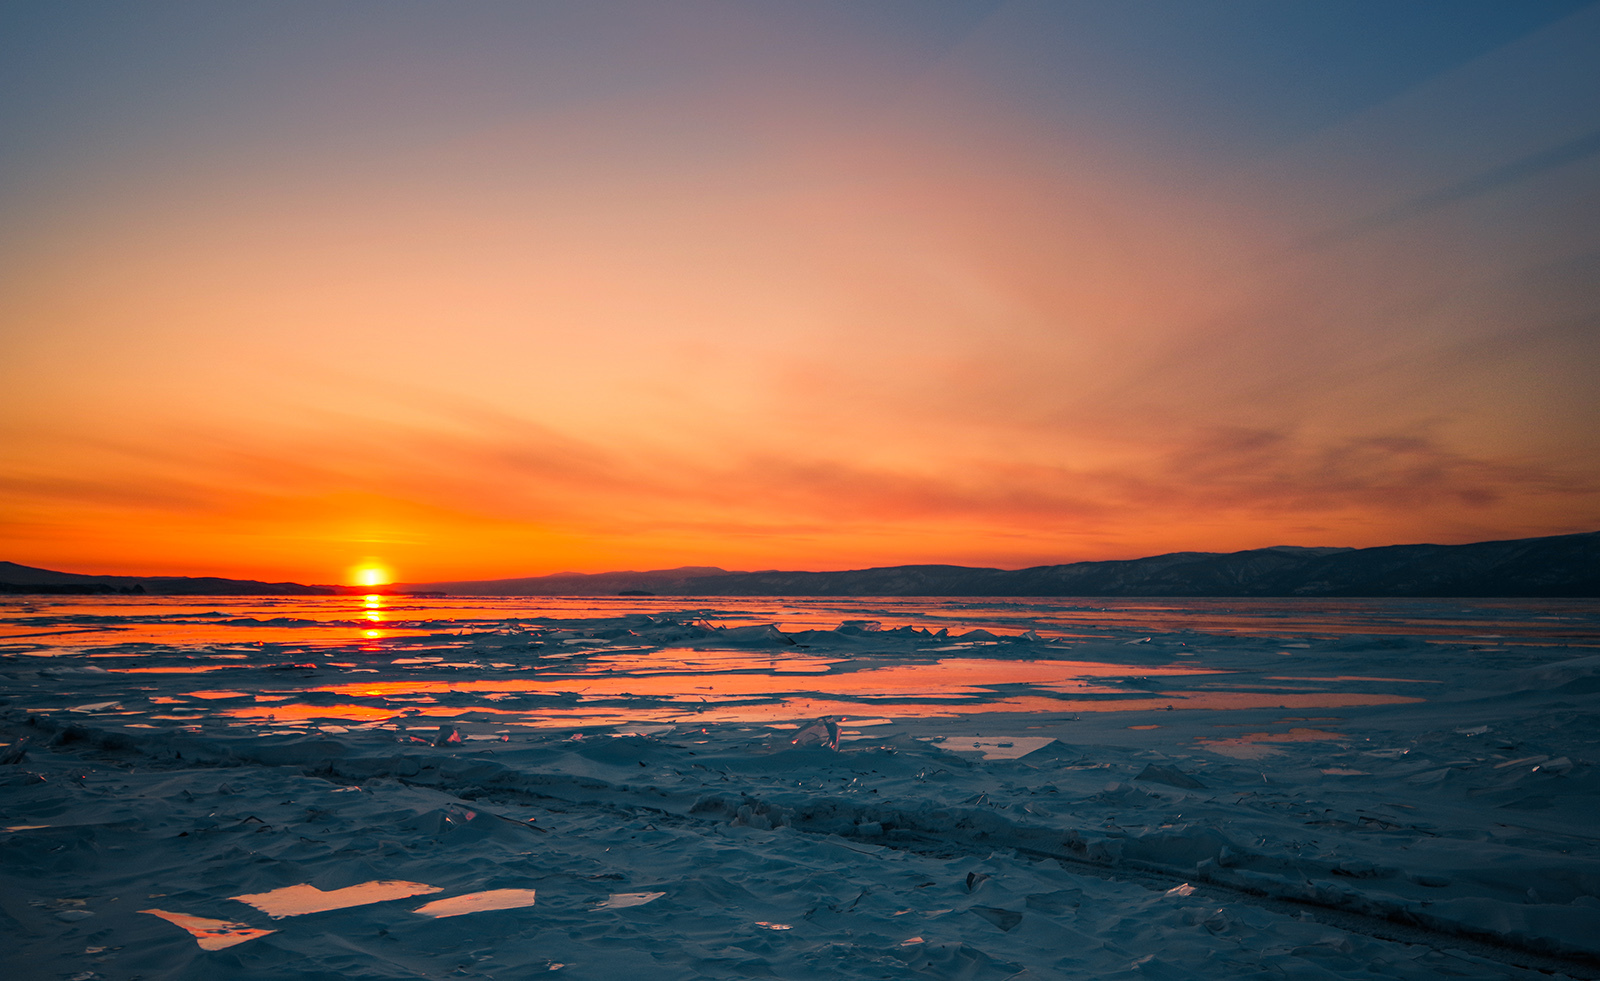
(761, 290)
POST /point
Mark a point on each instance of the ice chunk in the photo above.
(447, 736)
(302, 899)
(1005, 919)
(759, 634)
(823, 732)
(478, 902)
(999, 747)
(1432, 880)
(1525, 759)
(1057, 902)
(1561, 672)
(1169, 776)
(96, 707)
(211, 934)
(633, 730)
(623, 900)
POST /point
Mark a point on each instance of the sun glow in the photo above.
(372, 575)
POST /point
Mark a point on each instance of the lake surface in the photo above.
(492, 665)
(384, 786)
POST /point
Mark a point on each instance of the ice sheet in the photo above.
(1404, 782)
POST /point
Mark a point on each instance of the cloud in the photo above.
(496, 487)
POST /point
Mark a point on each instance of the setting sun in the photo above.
(372, 575)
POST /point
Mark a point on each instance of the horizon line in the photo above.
(747, 572)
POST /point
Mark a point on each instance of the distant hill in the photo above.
(661, 581)
(26, 579)
(1557, 566)
(1562, 565)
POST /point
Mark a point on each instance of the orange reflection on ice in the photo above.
(949, 677)
(211, 934)
(1236, 616)
(201, 634)
(689, 661)
(798, 707)
(184, 669)
(302, 713)
(302, 899)
(478, 902)
(1248, 746)
(801, 706)
(353, 713)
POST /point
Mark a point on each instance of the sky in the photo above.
(482, 289)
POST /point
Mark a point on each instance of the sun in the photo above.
(372, 575)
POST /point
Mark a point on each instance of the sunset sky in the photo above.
(472, 290)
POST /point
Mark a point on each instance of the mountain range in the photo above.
(1556, 566)
(26, 579)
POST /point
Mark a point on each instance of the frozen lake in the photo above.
(1000, 788)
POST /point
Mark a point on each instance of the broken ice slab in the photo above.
(637, 730)
(211, 934)
(1530, 760)
(478, 902)
(998, 748)
(1005, 919)
(1171, 776)
(623, 900)
(302, 899)
(823, 732)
